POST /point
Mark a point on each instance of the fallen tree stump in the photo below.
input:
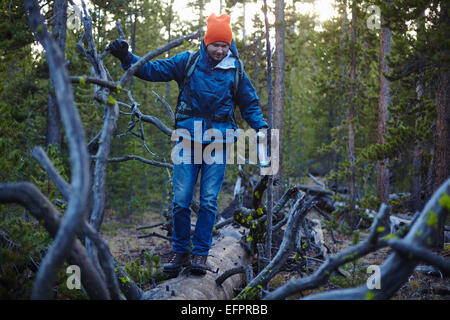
(226, 253)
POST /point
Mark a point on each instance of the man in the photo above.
(206, 101)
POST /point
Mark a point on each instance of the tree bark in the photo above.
(59, 29)
(279, 86)
(226, 253)
(150, 55)
(351, 116)
(442, 151)
(417, 182)
(62, 245)
(271, 124)
(384, 100)
(442, 161)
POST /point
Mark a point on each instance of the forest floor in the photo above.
(122, 237)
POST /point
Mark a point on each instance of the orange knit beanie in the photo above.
(218, 29)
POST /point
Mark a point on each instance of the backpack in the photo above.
(183, 110)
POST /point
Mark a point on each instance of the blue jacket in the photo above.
(211, 87)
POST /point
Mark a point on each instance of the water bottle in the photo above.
(261, 142)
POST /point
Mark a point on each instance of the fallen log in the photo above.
(226, 253)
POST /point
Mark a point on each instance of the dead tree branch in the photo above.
(420, 254)
(78, 156)
(41, 157)
(102, 94)
(100, 273)
(114, 87)
(296, 215)
(147, 118)
(175, 43)
(396, 268)
(166, 105)
(332, 263)
(154, 234)
(150, 226)
(139, 158)
(110, 267)
(27, 195)
(247, 270)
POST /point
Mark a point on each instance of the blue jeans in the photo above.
(184, 179)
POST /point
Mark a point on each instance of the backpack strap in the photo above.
(188, 71)
(190, 65)
(238, 76)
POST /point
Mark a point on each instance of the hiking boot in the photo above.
(176, 262)
(198, 265)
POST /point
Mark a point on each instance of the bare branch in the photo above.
(154, 234)
(78, 156)
(332, 263)
(150, 226)
(27, 195)
(296, 215)
(420, 254)
(119, 30)
(155, 121)
(146, 118)
(247, 270)
(101, 82)
(11, 244)
(224, 223)
(41, 156)
(147, 161)
(112, 269)
(397, 267)
(166, 105)
(175, 43)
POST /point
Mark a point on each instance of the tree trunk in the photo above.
(442, 151)
(169, 38)
(59, 29)
(417, 180)
(226, 253)
(384, 100)
(442, 155)
(279, 86)
(383, 115)
(351, 116)
(268, 248)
